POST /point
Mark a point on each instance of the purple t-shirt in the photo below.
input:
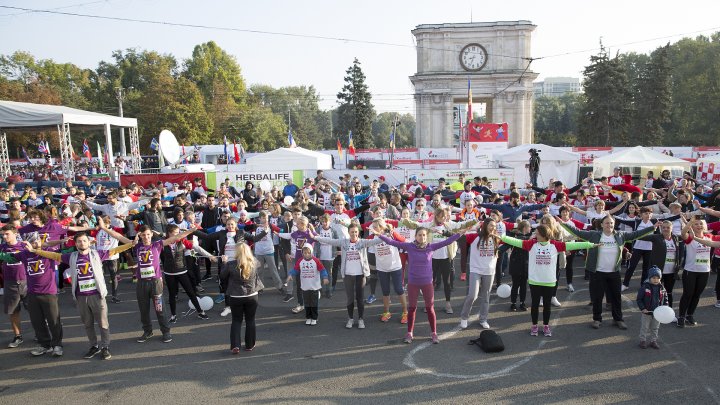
(301, 238)
(85, 274)
(40, 273)
(50, 231)
(14, 272)
(419, 260)
(148, 260)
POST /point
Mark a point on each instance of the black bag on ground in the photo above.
(489, 342)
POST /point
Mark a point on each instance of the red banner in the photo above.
(488, 132)
(145, 180)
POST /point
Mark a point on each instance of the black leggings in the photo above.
(569, 266)
(193, 269)
(354, 286)
(537, 292)
(172, 282)
(243, 308)
(693, 285)
(442, 268)
(519, 285)
(634, 260)
(110, 267)
(335, 269)
(668, 281)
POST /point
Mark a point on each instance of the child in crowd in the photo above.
(650, 296)
(310, 271)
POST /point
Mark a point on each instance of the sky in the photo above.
(567, 34)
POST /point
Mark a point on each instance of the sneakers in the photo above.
(513, 307)
(206, 277)
(621, 325)
(463, 323)
(200, 288)
(167, 338)
(463, 277)
(235, 350)
(643, 344)
(541, 302)
(298, 309)
(105, 353)
(308, 322)
(313, 322)
(145, 336)
(226, 311)
(408, 338)
(654, 345)
(92, 352)
(522, 307)
(173, 319)
(349, 323)
(534, 330)
(202, 315)
(434, 338)
(690, 320)
(623, 288)
(385, 316)
(249, 349)
(554, 301)
(40, 350)
(484, 324)
(404, 317)
(570, 288)
(546, 331)
(717, 304)
(115, 300)
(220, 298)
(448, 308)
(57, 351)
(595, 324)
(361, 324)
(287, 297)
(681, 322)
(370, 299)
(16, 342)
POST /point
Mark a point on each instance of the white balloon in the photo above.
(503, 291)
(664, 314)
(265, 185)
(288, 200)
(206, 303)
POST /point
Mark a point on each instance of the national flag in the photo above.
(42, 148)
(291, 140)
(351, 146)
(469, 116)
(86, 149)
(100, 157)
(227, 157)
(237, 152)
(340, 150)
(47, 147)
(106, 156)
(242, 151)
(392, 139)
(74, 155)
(184, 160)
(154, 144)
(25, 155)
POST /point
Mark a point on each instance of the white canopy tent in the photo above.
(290, 159)
(554, 163)
(28, 116)
(708, 168)
(641, 158)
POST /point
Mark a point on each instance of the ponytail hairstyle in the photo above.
(245, 260)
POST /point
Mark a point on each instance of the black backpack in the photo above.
(489, 342)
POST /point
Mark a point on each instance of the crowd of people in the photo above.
(51, 169)
(81, 239)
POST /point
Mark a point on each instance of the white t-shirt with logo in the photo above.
(607, 254)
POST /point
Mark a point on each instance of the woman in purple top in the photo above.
(420, 275)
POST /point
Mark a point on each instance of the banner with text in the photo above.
(239, 178)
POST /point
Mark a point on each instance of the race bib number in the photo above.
(669, 260)
(702, 261)
(147, 272)
(87, 285)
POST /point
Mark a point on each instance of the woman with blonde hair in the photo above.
(558, 234)
(242, 283)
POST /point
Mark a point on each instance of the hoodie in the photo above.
(651, 296)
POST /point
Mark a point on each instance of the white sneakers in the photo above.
(349, 323)
(717, 304)
(361, 324)
(448, 308)
(555, 302)
(570, 288)
(485, 325)
(308, 322)
(313, 322)
(226, 311)
(623, 288)
(463, 323)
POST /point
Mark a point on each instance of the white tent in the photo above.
(639, 157)
(708, 168)
(289, 159)
(554, 163)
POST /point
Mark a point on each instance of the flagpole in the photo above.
(394, 140)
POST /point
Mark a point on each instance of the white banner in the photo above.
(239, 178)
(438, 153)
(481, 153)
(500, 178)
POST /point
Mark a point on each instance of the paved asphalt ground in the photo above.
(294, 363)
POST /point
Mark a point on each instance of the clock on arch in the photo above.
(473, 57)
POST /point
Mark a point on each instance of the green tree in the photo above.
(382, 127)
(605, 117)
(355, 111)
(652, 102)
(259, 129)
(555, 119)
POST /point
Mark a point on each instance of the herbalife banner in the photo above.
(239, 178)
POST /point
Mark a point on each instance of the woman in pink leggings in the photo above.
(420, 275)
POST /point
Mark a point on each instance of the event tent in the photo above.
(708, 168)
(639, 157)
(28, 116)
(554, 163)
(289, 159)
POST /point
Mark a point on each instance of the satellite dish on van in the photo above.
(169, 146)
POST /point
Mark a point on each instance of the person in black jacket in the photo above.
(519, 268)
(210, 218)
(250, 196)
(650, 296)
(666, 255)
(154, 217)
(242, 284)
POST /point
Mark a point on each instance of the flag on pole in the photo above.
(154, 144)
(106, 156)
(184, 160)
(339, 146)
(25, 155)
(392, 139)
(74, 155)
(100, 157)
(469, 116)
(237, 152)
(42, 148)
(291, 140)
(86, 149)
(351, 146)
(227, 157)
(242, 151)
